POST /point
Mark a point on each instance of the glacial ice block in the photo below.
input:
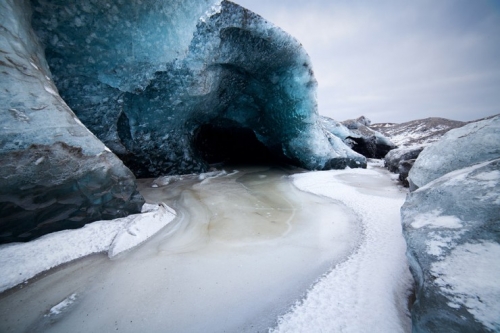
(173, 85)
(459, 148)
(451, 226)
(55, 174)
(357, 135)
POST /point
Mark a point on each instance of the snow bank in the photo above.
(367, 292)
(22, 261)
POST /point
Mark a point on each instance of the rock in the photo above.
(55, 174)
(417, 132)
(170, 92)
(358, 136)
(452, 229)
(459, 148)
(404, 168)
(401, 161)
(393, 159)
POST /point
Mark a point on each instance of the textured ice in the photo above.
(54, 173)
(459, 148)
(451, 228)
(357, 135)
(171, 86)
(458, 280)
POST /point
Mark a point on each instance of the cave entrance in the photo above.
(230, 143)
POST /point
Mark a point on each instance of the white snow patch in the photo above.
(63, 305)
(50, 90)
(486, 176)
(469, 276)
(22, 261)
(141, 228)
(436, 244)
(215, 9)
(434, 220)
(367, 292)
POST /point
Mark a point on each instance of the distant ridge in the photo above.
(417, 132)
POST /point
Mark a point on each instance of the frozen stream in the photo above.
(243, 249)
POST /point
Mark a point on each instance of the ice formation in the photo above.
(54, 173)
(451, 228)
(356, 134)
(172, 86)
(459, 148)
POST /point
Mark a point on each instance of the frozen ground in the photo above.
(243, 249)
(369, 291)
(22, 261)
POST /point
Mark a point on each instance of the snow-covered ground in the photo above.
(250, 247)
(22, 261)
(369, 291)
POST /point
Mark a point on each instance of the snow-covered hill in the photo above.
(417, 132)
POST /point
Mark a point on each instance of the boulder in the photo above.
(55, 174)
(459, 148)
(451, 224)
(452, 229)
(358, 136)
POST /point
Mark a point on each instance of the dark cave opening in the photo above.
(229, 143)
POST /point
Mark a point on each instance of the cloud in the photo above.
(396, 61)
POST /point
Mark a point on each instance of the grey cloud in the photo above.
(396, 61)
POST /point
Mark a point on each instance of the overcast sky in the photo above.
(397, 60)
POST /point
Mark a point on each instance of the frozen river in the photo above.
(245, 246)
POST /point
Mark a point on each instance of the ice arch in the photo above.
(146, 77)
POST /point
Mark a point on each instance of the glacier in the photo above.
(459, 148)
(174, 86)
(55, 173)
(451, 226)
(170, 87)
(357, 134)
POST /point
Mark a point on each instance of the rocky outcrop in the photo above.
(358, 136)
(55, 174)
(451, 224)
(417, 132)
(401, 161)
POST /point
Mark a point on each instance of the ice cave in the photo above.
(156, 84)
(170, 87)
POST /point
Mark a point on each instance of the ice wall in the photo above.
(459, 148)
(451, 225)
(54, 173)
(357, 135)
(159, 81)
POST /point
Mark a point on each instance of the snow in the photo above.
(60, 307)
(137, 231)
(469, 277)
(434, 219)
(22, 261)
(368, 291)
